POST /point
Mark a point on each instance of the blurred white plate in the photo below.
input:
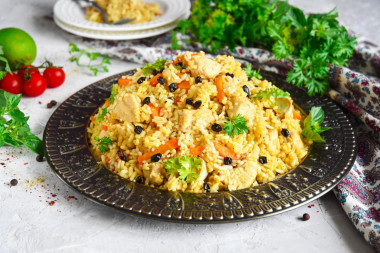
(72, 14)
(118, 35)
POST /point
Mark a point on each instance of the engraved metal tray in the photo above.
(67, 152)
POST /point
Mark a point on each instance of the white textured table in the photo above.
(41, 214)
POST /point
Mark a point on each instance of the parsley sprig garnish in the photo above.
(4, 65)
(103, 143)
(91, 61)
(14, 129)
(252, 73)
(113, 94)
(309, 43)
(185, 166)
(269, 93)
(101, 115)
(158, 65)
(312, 125)
(236, 126)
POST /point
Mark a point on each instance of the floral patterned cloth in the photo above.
(356, 89)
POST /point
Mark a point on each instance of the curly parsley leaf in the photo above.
(312, 125)
(158, 65)
(236, 126)
(101, 115)
(113, 94)
(103, 143)
(185, 166)
(88, 59)
(252, 73)
(4, 65)
(14, 129)
(270, 93)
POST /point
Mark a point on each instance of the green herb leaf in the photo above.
(185, 166)
(14, 129)
(113, 94)
(312, 125)
(103, 143)
(252, 73)
(101, 115)
(149, 67)
(269, 93)
(236, 126)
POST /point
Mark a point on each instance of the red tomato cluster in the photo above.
(32, 84)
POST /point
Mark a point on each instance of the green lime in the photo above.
(18, 46)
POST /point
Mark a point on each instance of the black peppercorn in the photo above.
(216, 127)
(146, 101)
(263, 159)
(285, 132)
(14, 182)
(306, 217)
(197, 104)
(156, 157)
(138, 129)
(246, 90)
(230, 74)
(139, 179)
(206, 187)
(198, 79)
(173, 87)
(141, 79)
(161, 80)
(227, 160)
(122, 155)
(39, 158)
(189, 101)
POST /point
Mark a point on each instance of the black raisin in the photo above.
(206, 187)
(246, 90)
(189, 101)
(156, 157)
(138, 129)
(263, 159)
(141, 79)
(14, 182)
(139, 180)
(216, 127)
(161, 80)
(173, 87)
(122, 155)
(146, 101)
(285, 132)
(198, 79)
(197, 104)
(155, 72)
(230, 74)
(180, 64)
(227, 160)
(53, 103)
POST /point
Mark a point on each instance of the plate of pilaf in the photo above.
(199, 139)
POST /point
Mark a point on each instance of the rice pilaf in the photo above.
(181, 116)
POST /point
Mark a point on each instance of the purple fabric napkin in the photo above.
(356, 89)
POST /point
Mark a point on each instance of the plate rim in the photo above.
(226, 216)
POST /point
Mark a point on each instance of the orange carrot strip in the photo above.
(196, 151)
(154, 80)
(107, 159)
(219, 88)
(177, 100)
(124, 81)
(155, 110)
(92, 119)
(296, 115)
(169, 145)
(225, 151)
(107, 103)
(184, 85)
(104, 127)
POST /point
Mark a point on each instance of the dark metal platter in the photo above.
(68, 154)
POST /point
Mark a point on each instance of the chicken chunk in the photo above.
(205, 67)
(127, 108)
(241, 105)
(154, 175)
(190, 118)
(240, 177)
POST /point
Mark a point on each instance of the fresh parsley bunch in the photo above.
(4, 65)
(14, 129)
(309, 43)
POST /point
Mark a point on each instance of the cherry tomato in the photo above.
(22, 71)
(11, 83)
(35, 86)
(54, 77)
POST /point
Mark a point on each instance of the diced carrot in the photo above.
(196, 151)
(180, 60)
(185, 85)
(225, 151)
(296, 115)
(104, 127)
(155, 110)
(153, 81)
(177, 100)
(107, 159)
(219, 88)
(169, 145)
(107, 103)
(92, 119)
(124, 81)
